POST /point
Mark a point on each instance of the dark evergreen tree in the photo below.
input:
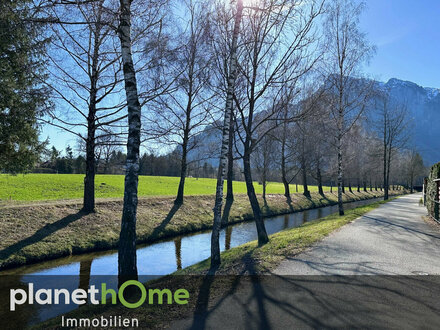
(22, 98)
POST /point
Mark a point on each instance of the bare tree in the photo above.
(312, 143)
(277, 49)
(106, 146)
(346, 51)
(415, 167)
(392, 128)
(285, 136)
(184, 112)
(263, 158)
(352, 153)
(85, 78)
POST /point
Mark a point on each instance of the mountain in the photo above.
(423, 104)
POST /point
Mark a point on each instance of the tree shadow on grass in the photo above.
(41, 234)
(159, 229)
(312, 202)
(325, 201)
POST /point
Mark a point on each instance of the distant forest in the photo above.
(112, 161)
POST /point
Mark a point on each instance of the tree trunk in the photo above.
(230, 191)
(318, 175)
(127, 267)
(340, 184)
(230, 175)
(386, 184)
(283, 169)
(306, 191)
(183, 167)
(89, 179)
(358, 185)
(258, 216)
(349, 186)
(340, 129)
(215, 244)
(385, 196)
(264, 191)
(186, 132)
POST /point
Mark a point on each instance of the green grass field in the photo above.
(32, 187)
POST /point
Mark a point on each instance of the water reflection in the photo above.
(178, 247)
(286, 221)
(85, 268)
(228, 237)
(305, 217)
(319, 213)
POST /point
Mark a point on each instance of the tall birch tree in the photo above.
(346, 50)
(127, 266)
(232, 75)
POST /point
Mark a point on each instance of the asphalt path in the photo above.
(391, 240)
(320, 288)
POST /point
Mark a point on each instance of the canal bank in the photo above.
(35, 233)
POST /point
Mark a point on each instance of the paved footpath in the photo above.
(392, 239)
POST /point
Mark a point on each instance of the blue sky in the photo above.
(407, 36)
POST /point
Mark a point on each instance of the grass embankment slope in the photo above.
(244, 259)
(34, 233)
(33, 187)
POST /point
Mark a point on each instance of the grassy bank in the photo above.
(244, 259)
(33, 187)
(34, 233)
